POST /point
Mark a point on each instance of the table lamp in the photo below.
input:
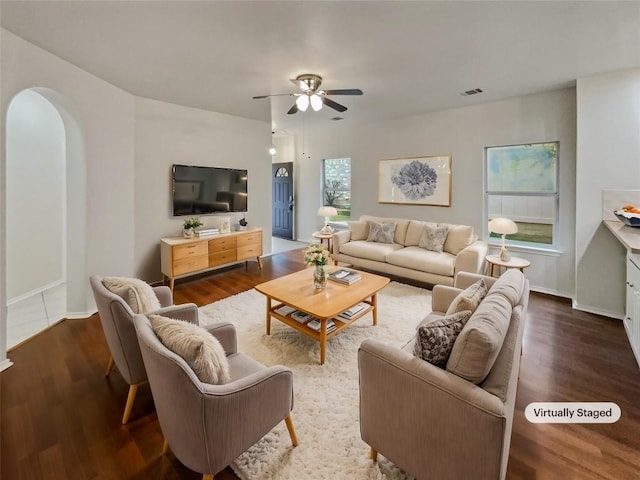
(503, 226)
(327, 212)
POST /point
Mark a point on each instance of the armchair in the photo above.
(116, 317)
(432, 423)
(208, 426)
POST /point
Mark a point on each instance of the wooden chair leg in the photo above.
(207, 476)
(133, 389)
(165, 447)
(109, 366)
(292, 432)
(374, 454)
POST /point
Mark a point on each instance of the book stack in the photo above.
(351, 312)
(206, 232)
(315, 325)
(302, 317)
(345, 276)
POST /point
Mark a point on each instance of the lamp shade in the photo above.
(503, 226)
(327, 212)
(302, 102)
(316, 102)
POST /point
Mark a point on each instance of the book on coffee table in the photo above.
(350, 312)
(345, 276)
(315, 325)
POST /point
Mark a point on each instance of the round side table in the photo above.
(322, 237)
(514, 262)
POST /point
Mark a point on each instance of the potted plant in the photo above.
(190, 224)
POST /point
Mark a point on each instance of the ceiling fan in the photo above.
(311, 95)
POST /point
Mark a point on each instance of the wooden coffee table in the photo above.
(296, 290)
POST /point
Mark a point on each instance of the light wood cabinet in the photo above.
(181, 256)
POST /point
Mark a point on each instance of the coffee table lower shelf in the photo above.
(321, 336)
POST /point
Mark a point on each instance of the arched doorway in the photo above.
(45, 211)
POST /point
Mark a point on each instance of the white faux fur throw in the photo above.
(138, 294)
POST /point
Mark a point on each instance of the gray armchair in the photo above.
(117, 322)
(208, 426)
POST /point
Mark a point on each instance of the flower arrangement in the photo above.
(191, 223)
(316, 254)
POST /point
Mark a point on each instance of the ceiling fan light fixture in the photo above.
(302, 102)
(316, 102)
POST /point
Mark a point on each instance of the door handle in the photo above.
(291, 203)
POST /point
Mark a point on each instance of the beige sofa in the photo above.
(404, 258)
(433, 423)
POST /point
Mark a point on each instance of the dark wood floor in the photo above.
(60, 417)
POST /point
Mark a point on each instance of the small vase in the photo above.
(187, 232)
(319, 277)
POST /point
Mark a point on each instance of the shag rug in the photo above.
(326, 400)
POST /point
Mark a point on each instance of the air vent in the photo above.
(337, 118)
(475, 91)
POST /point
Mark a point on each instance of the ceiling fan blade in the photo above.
(272, 95)
(335, 105)
(293, 109)
(344, 91)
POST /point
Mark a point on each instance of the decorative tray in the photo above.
(630, 219)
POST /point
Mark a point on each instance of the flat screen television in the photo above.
(207, 190)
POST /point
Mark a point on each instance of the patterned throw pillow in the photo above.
(381, 232)
(433, 237)
(469, 298)
(435, 340)
(201, 350)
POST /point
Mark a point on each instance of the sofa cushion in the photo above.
(359, 230)
(458, 238)
(417, 258)
(435, 339)
(138, 294)
(381, 232)
(480, 341)
(369, 250)
(401, 226)
(414, 232)
(469, 298)
(510, 285)
(433, 237)
(201, 350)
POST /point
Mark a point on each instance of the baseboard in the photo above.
(597, 311)
(6, 363)
(79, 315)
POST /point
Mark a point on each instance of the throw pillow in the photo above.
(201, 350)
(469, 298)
(435, 340)
(359, 230)
(433, 237)
(138, 294)
(381, 232)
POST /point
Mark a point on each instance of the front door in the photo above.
(282, 181)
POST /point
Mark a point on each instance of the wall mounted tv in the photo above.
(206, 190)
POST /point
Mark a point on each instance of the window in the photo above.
(522, 185)
(336, 186)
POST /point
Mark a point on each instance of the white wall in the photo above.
(98, 120)
(166, 134)
(608, 123)
(36, 195)
(463, 133)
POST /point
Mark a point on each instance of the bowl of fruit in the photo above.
(629, 215)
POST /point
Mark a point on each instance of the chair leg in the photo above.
(165, 447)
(292, 432)
(109, 366)
(207, 476)
(374, 454)
(133, 389)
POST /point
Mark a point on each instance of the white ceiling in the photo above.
(407, 57)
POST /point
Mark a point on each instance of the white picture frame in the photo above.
(225, 225)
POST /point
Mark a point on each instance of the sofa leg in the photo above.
(374, 454)
(207, 476)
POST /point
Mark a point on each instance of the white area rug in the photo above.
(326, 402)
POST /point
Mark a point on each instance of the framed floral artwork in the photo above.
(415, 181)
(225, 225)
